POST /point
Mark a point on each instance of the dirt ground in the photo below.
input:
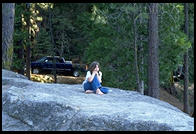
(165, 96)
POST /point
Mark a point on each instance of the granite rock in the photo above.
(33, 106)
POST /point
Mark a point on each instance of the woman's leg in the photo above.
(104, 90)
(87, 88)
(95, 84)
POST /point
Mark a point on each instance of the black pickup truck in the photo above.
(45, 65)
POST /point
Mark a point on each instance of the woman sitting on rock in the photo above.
(92, 82)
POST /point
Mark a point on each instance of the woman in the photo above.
(92, 82)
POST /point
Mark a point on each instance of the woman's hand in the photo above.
(95, 72)
(99, 75)
(90, 79)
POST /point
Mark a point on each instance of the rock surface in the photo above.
(37, 106)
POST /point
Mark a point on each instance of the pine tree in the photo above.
(8, 11)
(153, 62)
(186, 76)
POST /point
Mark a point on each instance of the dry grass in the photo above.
(42, 78)
(60, 79)
(70, 79)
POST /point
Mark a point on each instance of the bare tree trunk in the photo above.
(28, 46)
(186, 81)
(141, 68)
(135, 53)
(28, 60)
(141, 56)
(153, 63)
(19, 51)
(135, 56)
(8, 12)
(54, 52)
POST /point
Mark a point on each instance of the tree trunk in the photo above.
(19, 51)
(141, 66)
(28, 60)
(28, 44)
(21, 56)
(153, 63)
(135, 56)
(186, 101)
(54, 52)
(8, 12)
(28, 47)
(141, 56)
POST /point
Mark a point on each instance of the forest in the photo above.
(138, 45)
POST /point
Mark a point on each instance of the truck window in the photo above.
(60, 61)
(48, 60)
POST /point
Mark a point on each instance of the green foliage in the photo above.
(20, 35)
(103, 32)
(111, 49)
(173, 41)
(43, 45)
(191, 37)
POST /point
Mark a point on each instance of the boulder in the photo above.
(33, 106)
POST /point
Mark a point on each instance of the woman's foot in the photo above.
(88, 91)
(98, 91)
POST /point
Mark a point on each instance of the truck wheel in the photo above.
(75, 73)
(35, 71)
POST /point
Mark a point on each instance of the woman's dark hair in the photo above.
(93, 66)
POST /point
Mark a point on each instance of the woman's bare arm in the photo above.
(99, 77)
(90, 79)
